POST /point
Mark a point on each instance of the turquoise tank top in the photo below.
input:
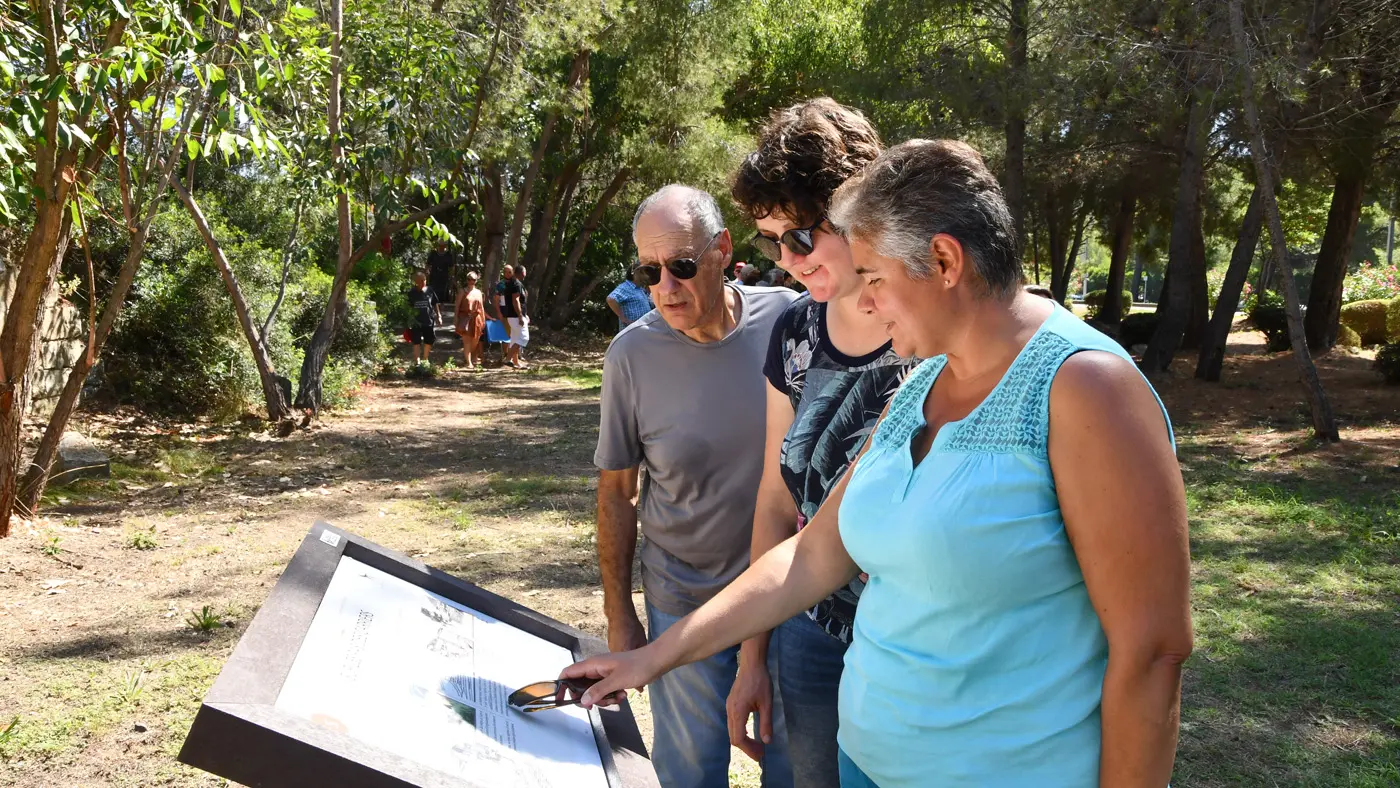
(977, 659)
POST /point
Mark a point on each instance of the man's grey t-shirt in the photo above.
(692, 415)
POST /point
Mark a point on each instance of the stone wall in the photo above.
(63, 340)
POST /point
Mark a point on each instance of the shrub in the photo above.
(1388, 362)
(359, 348)
(1392, 320)
(1095, 298)
(1371, 282)
(1269, 316)
(1347, 337)
(178, 348)
(1137, 329)
(1367, 319)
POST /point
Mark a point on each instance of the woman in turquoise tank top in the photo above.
(1019, 511)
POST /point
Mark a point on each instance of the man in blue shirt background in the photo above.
(629, 300)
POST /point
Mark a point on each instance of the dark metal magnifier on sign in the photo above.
(543, 695)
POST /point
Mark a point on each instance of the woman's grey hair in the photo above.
(921, 188)
(705, 217)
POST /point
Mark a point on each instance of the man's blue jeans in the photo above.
(690, 747)
(808, 678)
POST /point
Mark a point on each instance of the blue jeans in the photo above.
(808, 679)
(690, 746)
(852, 776)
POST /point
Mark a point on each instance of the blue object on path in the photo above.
(496, 331)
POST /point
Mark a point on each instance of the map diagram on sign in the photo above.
(405, 670)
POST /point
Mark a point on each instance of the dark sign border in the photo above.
(239, 733)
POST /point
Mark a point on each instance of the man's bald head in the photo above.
(681, 204)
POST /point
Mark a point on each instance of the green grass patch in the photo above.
(583, 377)
(1296, 676)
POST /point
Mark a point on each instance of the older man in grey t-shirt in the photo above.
(670, 381)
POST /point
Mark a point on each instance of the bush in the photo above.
(1388, 362)
(1367, 319)
(1269, 316)
(1392, 320)
(1137, 329)
(1094, 300)
(1346, 337)
(178, 349)
(1371, 282)
(359, 348)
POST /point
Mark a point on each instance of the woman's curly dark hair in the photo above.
(804, 153)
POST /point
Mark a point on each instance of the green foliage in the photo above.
(51, 545)
(1270, 317)
(1367, 319)
(204, 620)
(1388, 362)
(8, 733)
(1392, 320)
(1347, 337)
(142, 539)
(1094, 300)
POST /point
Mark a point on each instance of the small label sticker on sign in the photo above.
(331, 539)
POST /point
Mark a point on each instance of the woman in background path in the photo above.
(830, 373)
(470, 319)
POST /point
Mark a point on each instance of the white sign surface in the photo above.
(408, 671)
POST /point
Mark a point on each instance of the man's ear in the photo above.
(726, 246)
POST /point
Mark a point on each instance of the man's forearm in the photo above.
(1141, 714)
(617, 545)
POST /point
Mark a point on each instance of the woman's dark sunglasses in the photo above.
(798, 241)
(680, 268)
(544, 695)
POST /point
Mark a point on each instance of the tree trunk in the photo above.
(20, 339)
(527, 184)
(1017, 47)
(1325, 299)
(545, 292)
(36, 477)
(493, 235)
(539, 248)
(1111, 313)
(595, 217)
(272, 390)
(1200, 289)
(1175, 309)
(1212, 358)
(1324, 424)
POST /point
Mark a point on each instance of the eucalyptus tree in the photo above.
(76, 78)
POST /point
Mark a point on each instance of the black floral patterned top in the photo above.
(836, 401)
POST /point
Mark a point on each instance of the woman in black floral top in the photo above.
(831, 372)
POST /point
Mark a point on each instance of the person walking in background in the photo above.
(427, 314)
(1019, 509)
(629, 300)
(669, 383)
(517, 317)
(830, 371)
(441, 263)
(469, 317)
(498, 298)
(752, 276)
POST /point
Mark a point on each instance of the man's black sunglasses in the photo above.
(798, 241)
(680, 268)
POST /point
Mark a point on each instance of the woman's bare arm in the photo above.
(1124, 505)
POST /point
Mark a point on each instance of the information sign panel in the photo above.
(366, 668)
